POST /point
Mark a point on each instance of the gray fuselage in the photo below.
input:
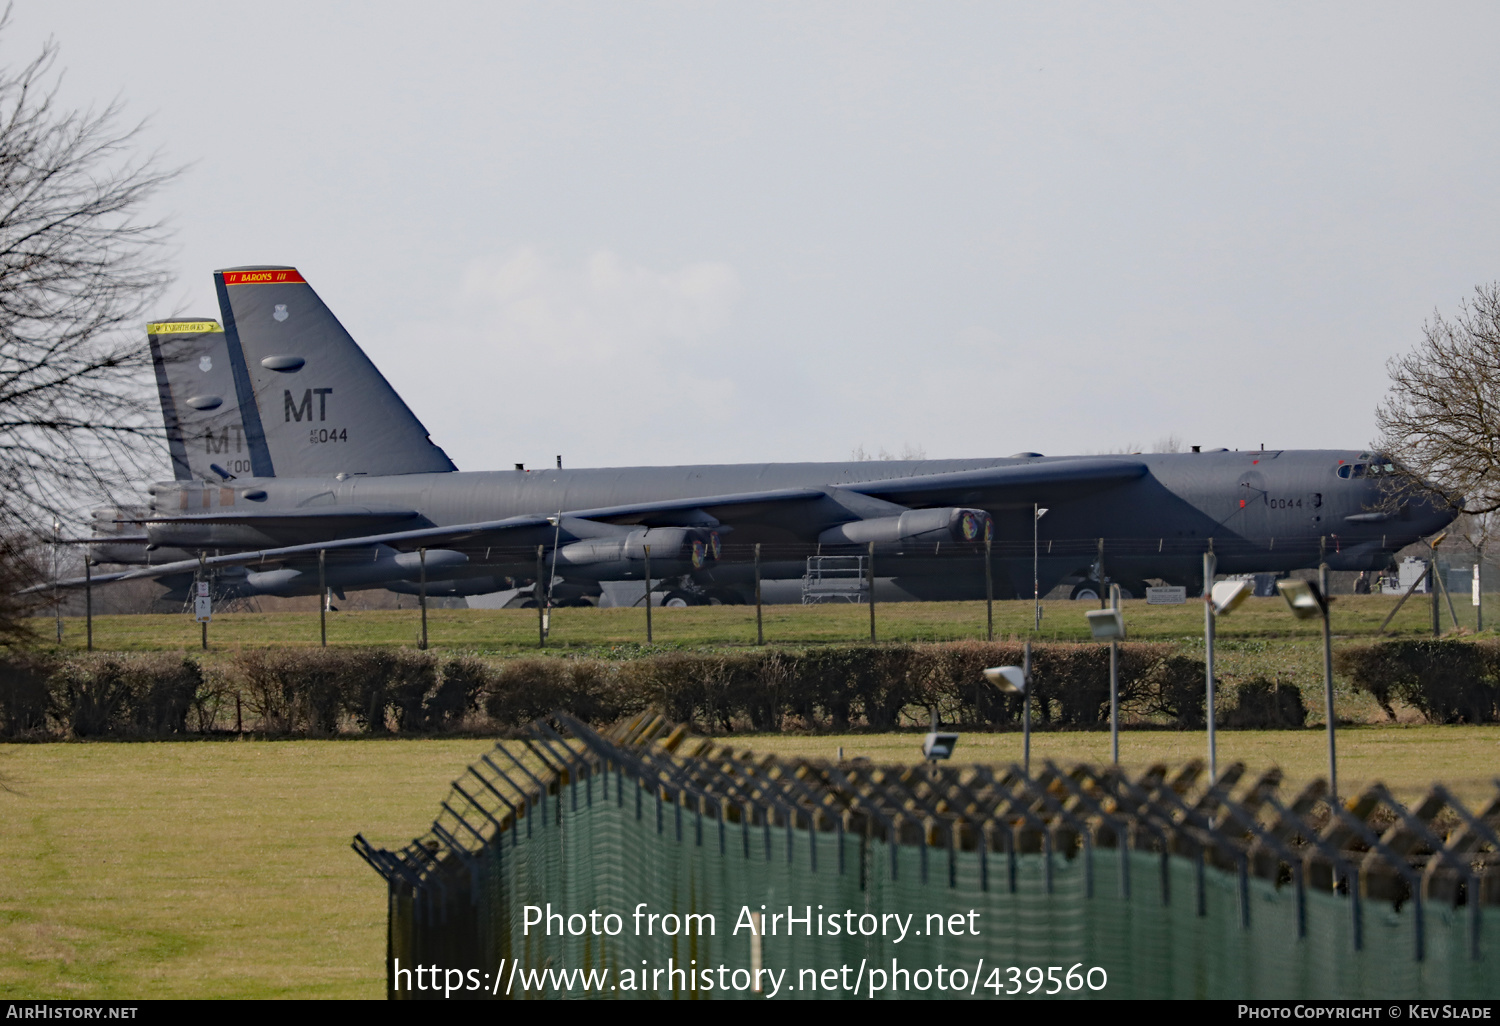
(1260, 511)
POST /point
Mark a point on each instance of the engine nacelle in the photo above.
(674, 551)
(914, 527)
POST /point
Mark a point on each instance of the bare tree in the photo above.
(1441, 419)
(79, 267)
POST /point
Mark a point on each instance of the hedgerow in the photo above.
(296, 692)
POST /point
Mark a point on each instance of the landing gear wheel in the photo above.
(679, 600)
(1088, 591)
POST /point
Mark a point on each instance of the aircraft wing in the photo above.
(465, 535)
(726, 508)
(270, 519)
(1016, 485)
(408, 540)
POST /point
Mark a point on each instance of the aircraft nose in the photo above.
(1435, 512)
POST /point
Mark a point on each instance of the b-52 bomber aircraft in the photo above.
(288, 444)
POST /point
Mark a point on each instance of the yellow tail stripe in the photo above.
(183, 328)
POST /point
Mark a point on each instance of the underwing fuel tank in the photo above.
(382, 565)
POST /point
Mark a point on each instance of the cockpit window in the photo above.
(1380, 468)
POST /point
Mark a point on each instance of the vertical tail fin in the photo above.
(320, 405)
(206, 433)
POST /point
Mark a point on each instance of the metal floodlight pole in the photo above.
(1333, 778)
(760, 634)
(1333, 763)
(88, 597)
(1210, 562)
(323, 597)
(647, 550)
(1479, 591)
(1036, 580)
(1026, 710)
(536, 594)
(422, 595)
(870, 576)
(1306, 600)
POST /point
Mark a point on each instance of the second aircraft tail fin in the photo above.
(199, 404)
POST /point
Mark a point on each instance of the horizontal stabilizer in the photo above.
(407, 540)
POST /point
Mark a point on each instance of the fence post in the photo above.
(422, 596)
(1210, 562)
(989, 594)
(1026, 711)
(202, 557)
(322, 597)
(760, 634)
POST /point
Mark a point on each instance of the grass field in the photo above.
(223, 868)
(512, 631)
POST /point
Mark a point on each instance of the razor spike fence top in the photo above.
(1368, 875)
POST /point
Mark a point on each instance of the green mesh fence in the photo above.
(615, 866)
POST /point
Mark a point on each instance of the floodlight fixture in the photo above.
(1015, 680)
(938, 745)
(1007, 678)
(1227, 596)
(1106, 624)
(1303, 598)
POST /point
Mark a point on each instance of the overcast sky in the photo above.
(640, 233)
